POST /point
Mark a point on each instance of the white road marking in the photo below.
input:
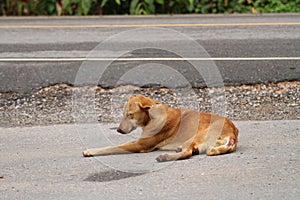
(144, 59)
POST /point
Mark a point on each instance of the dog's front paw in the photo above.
(163, 158)
(86, 153)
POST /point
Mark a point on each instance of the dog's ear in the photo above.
(146, 103)
(144, 106)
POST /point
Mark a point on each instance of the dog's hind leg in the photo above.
(227, 145)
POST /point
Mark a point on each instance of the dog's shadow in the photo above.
(111, 175)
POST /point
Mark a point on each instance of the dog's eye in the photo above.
(129, 115)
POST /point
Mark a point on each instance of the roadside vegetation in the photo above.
(143, 7)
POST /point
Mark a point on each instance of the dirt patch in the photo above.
(57, 104)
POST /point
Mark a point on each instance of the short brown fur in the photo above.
(185, 131)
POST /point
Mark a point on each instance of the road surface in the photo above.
(45, 162)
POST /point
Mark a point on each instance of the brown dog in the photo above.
(186, 131)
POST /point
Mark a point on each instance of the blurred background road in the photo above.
(247, 49)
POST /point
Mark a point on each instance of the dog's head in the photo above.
(136, 113)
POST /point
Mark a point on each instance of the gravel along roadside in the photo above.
(62, 103)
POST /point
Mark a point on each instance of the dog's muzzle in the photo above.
(120, 131)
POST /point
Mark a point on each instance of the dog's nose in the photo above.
(120, 130)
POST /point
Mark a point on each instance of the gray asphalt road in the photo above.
(46, 163)
(246, 49)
